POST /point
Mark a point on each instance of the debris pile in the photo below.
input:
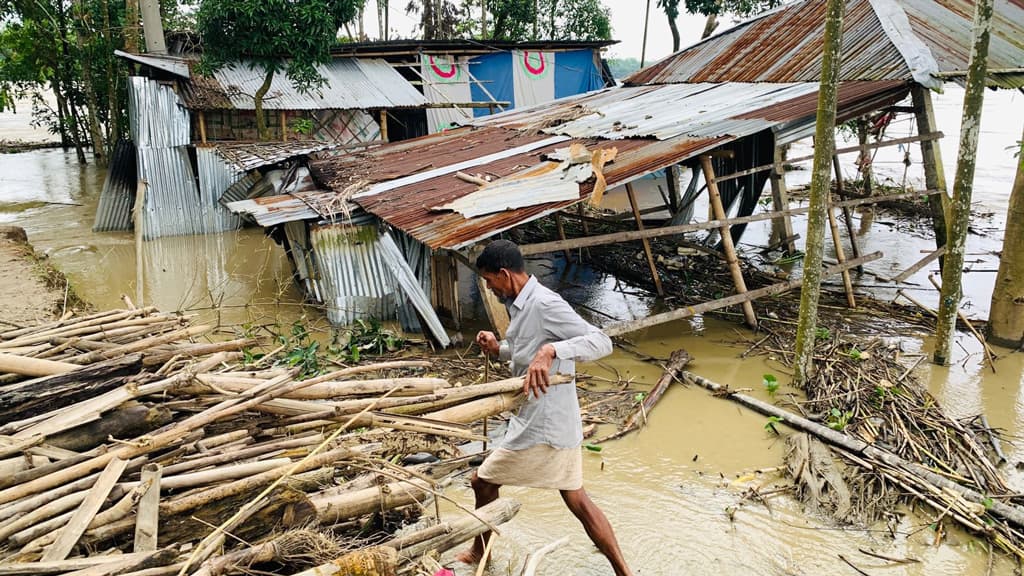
(128, 448)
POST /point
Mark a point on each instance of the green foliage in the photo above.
(302, 126)
(770, 425)
(300, 350)
(837, 419)
(273, 36)
(553, 19)
(822, 334)
(592, 447)
(855, 354)
(771, 384)
(368, 336)
(741, 8)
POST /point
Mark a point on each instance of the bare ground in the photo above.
(31, 290)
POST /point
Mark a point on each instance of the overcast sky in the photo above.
(627, 27)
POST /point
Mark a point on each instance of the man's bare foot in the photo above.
(471, 556)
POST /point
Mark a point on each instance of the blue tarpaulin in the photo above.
(575, 72)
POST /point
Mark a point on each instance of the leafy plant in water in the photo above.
(770, 425)
(837, 419)
(771, 384)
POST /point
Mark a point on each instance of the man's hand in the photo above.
(536, 379)
(487, 342)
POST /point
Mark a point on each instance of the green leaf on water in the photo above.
(592, 447)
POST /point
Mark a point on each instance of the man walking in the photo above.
(542, 444)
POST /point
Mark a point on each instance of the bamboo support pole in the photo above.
(26, 366)
(727, 245)
(928, 137)
(917, 266)
(139, 216)
(837, 243)
(847, 213)
(202, 126)
(559, 225)
(647, 243)
(384, 125)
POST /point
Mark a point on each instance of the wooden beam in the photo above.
(586, 226)
(630, 235)
(672, 181)
(931, 154)
(633, 325)
(147, 516)
(647, 243)
(384, 125)
(743, 173)
(927, 137)
(283, 116)
(730, 250)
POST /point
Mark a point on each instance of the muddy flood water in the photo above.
(673, 491)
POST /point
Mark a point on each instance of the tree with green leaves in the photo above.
(513, 20)
(712, 9)
(273, 36)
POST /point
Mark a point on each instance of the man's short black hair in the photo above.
(500, 254)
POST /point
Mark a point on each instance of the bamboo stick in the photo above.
(334, 389)
(460, 530)
(731, 258)
(57, 567)
(334, 509)
(837, 243)
(33, 366)
(647, 243)
(140, 345)
(76, 526)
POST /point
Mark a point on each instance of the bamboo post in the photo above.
(586, 226)
(140, 232)
(824, 147)
(76, 526)
(646, 242)
(847, 213)
(730, 250)
(284, 125)
(837, 243)
(561, 236)
(202, 126)
(384, 125)
(960, 207)
(148, 515)
(931, 154)
(26, 366)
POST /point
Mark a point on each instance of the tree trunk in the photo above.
(675, 33)
(960, 207)
(709, 26)
(1006, 315)
(257, 99)
(64, 79)
(131, 26)
(82, 34)
(824, 146)
(62, 112)
(113, 109)
(864, 160)
(551, 16)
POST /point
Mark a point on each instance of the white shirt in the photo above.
(540, 316)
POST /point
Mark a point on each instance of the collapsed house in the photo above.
(725, 108)
(194, 139)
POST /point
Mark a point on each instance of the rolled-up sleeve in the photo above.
(574, 338)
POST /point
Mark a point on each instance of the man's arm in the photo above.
(574, 339)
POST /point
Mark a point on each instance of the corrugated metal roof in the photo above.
(350, 84)
(880, 37)
(408, 207)
(174, 64)
(249, 155)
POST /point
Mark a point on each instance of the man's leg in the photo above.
(485, 492)
(597, 527)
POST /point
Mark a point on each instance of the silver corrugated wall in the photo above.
(353, 279)
(215, 177)
(114, 211)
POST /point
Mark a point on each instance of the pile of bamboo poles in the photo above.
(128, 448)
